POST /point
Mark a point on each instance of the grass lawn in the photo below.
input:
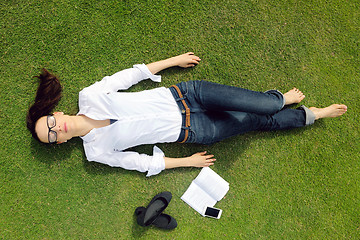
(296, 184)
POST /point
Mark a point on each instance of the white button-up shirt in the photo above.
(147, 117)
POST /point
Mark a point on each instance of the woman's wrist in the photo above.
(174, 61)
(177, 162)
(156, 67)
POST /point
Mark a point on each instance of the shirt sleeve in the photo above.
(134, 161)
(124, 79)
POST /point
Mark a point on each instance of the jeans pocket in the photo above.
(191, 137)
(183, 86)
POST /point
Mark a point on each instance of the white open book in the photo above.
(205, 190)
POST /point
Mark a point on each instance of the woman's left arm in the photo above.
(185, 60)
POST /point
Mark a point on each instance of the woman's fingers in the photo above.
(206, 160)
(204, 154)
(209, 162)
(188, 60)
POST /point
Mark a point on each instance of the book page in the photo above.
(197, 198)
(212, 183)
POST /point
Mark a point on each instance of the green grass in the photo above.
(297, 184)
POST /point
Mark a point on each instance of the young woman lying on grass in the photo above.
(109, 122)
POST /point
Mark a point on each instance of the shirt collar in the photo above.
(89, 137)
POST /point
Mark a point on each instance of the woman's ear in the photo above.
(58, 113)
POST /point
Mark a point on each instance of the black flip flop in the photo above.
(156, 206)
(163, 221)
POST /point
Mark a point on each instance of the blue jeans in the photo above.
(221, 111)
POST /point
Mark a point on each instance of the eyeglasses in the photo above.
(51, 123)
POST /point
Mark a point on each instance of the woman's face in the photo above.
(57, 128)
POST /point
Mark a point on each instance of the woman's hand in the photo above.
(201, 160)
(186, 60)
(196, 160)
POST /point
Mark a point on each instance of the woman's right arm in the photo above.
(196, 160)
(152, 164)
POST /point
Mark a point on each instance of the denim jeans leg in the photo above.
(217, 97)
(211, 127)
(285, 119)
(219, 111)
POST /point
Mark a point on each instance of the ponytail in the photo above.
(47, 97)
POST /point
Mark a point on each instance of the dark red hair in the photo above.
(47, 97)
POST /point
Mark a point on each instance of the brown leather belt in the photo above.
(187, 113)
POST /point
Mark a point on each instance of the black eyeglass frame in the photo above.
(51, 131)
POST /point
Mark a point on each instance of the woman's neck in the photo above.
(85, 124)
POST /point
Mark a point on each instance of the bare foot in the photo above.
(332, 111)
(293, 96)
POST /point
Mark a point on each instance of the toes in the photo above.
(344, 107)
